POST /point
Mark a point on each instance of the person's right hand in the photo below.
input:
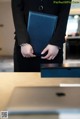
(27, 51)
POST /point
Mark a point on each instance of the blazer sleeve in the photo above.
(58, 37)
(19, 21)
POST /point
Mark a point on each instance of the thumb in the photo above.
(44, 51)
(32, 51)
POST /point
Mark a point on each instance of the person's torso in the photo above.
(43, 6)
(48, 6)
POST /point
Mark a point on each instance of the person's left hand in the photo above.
(52, 52)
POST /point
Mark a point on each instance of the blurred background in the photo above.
(71, 47)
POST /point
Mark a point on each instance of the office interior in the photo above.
(16, 88)
(71, 47)
(10, 82)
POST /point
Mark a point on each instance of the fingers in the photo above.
(50, 58)
(27, 51)
(53, 57)
(32, 55)
(47, 56)
(29, 55)
(44, 51)
(52, 52)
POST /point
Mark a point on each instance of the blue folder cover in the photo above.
(40, 29)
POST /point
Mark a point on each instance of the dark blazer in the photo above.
(21, 8)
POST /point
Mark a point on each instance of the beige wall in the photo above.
(6, 32)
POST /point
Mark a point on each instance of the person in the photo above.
(24, 58)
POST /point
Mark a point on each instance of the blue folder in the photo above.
(40, 29)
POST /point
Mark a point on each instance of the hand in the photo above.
(27, 51)
(52, 52)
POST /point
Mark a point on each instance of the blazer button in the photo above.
(41, 7)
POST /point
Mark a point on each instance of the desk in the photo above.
(43, 102)
(9, 81)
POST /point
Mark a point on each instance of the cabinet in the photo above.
(73, 48)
